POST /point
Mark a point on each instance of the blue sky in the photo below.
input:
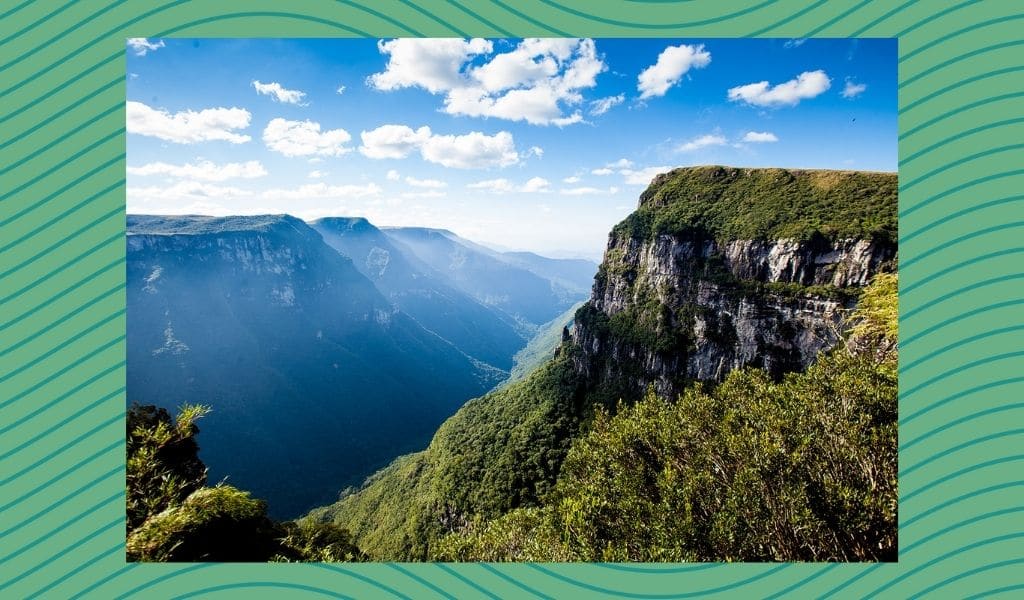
(527, 144)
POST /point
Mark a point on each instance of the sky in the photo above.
(535, 144)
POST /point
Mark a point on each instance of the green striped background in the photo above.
(62, 303)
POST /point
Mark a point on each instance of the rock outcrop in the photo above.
(677, 303)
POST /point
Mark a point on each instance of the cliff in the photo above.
(311, 373)
(721, 268)
(717, 268)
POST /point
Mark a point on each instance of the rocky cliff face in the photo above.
(676, 303)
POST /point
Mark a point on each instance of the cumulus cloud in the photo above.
(588, 191)
(571, 179)
(535, 151)
(537, 81)
(392, 141)
(853, 89)
(316, 174)
(672, 64)
(278, 93)
(432, 64)
(602, 171)
(304, 138)
(393, 175)
(425, 183)
(602, 105)
(473, 150)
(622, 163)
(808, 84)
(760, 137)
(703, 141)
(534, 185)
(203, 170)
(141, 45)
(643, 176)
(340, 90)
(187, 126)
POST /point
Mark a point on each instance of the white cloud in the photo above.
(304, 138)
(204, 170)
(535, 151)
(182, 192)
(141, 45)
(643, 176)
(571, 179)
(534, 185)
(806, 85)
(622, 163)
(279, 93)
(495, 186)
(393, 175)
(794, 43)
(340, 90)
(424, 194)
(392, 141)
(672, 64)
(473, 150)
(432, 64)
(602, 171)
(322, 191)
(534, 82)
(760, 137)
(316, 174)
(587, 191)
(711, 139)
(602, 105)
(425, 183)
(852, 90)
(187, 126)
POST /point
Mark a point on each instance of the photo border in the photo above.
(62, 295)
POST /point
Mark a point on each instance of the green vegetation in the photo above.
(802, 469)
(728, 203)
(499, 452)
(543, 344)
(172, 516)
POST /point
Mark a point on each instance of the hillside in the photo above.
(417, 290)
(542, 346)
(718, 270)
(497, 282)
(314, 378)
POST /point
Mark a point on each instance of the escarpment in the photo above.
(721, 268)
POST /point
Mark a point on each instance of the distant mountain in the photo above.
(541, 348)
(483, 332)
(525, 285)
(315, 378)
(575, 275)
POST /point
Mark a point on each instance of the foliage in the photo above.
(318, 542)
(220, 523)
(499, 452)
(877, 318)
(173, 517)
(543, 344)
(163, 465)
(753, 470)
(524, 534)
(729, 204)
